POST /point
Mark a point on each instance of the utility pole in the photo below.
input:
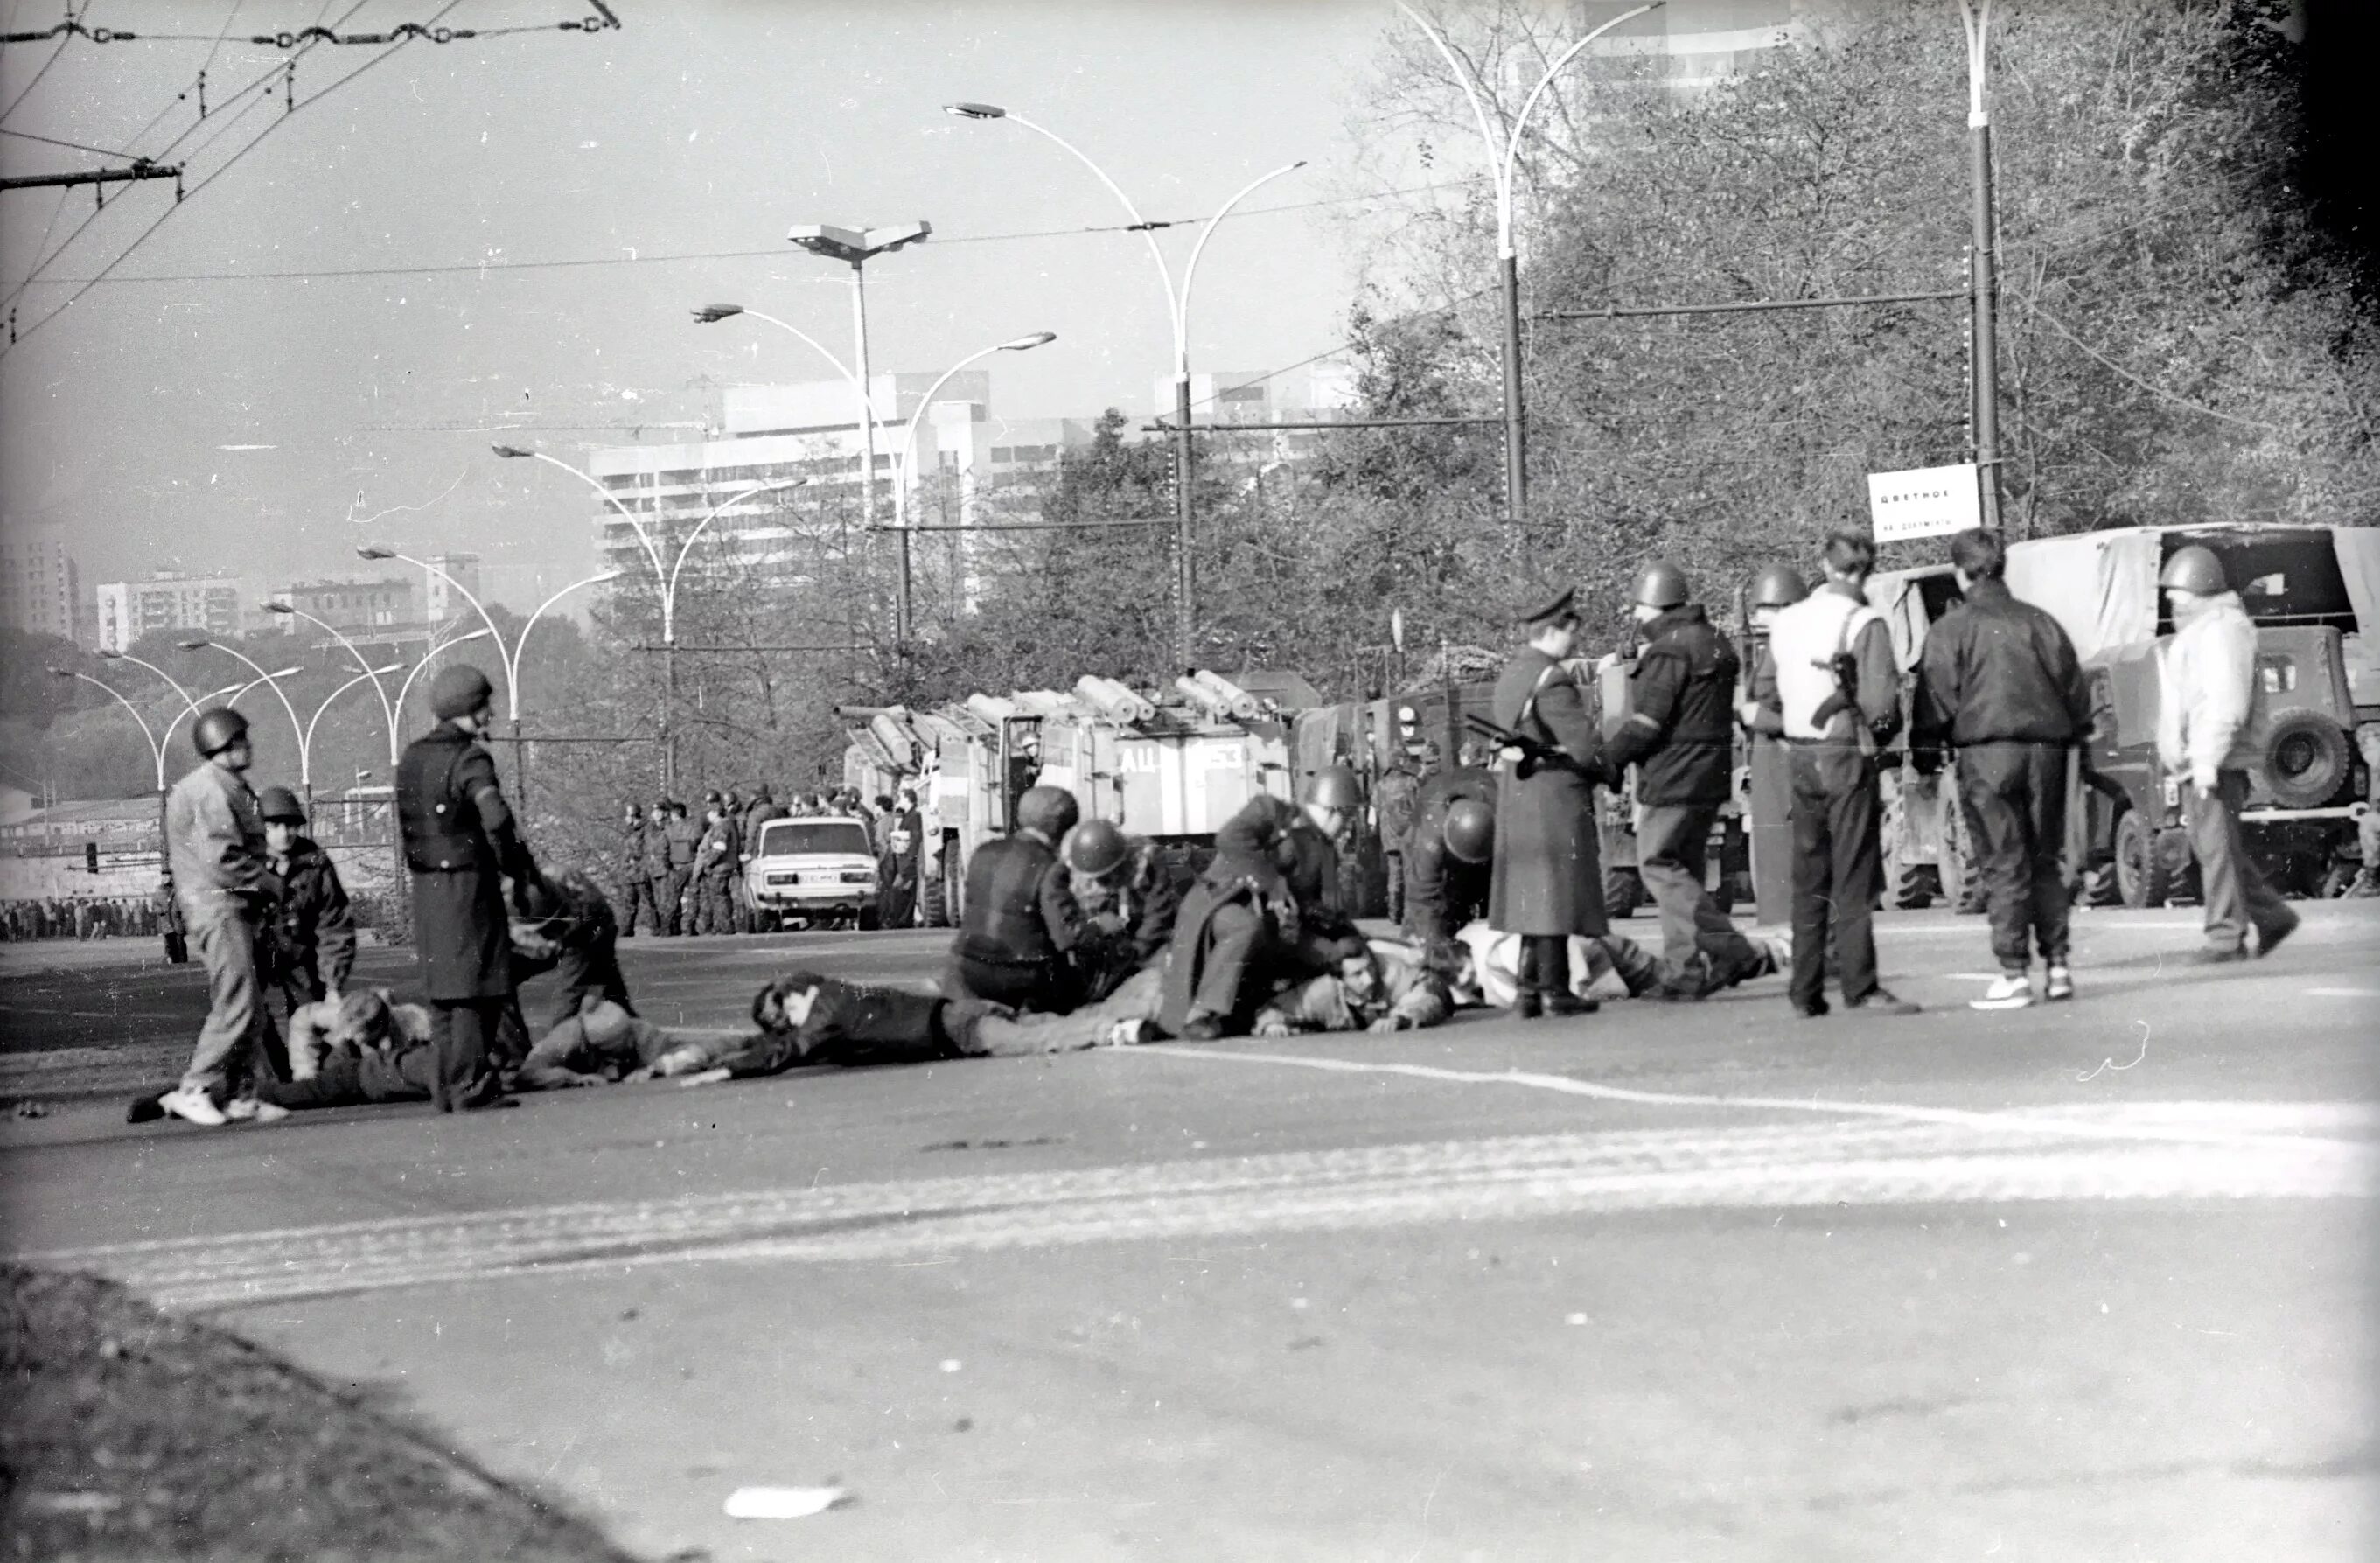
(1982, 272)
(138, 170)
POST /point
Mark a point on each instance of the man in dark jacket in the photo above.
(1681, 736)
(1265, 913)
(680, 841)
(314, 936)
(1447, 852)
(460, 844)
(714, 872)
(1548, 878)
(1020, 925)
(2001, 684)
(808, 1019)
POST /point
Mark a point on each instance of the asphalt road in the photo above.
(2090, 1282)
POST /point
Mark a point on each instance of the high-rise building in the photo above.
(166, 602)
(767, 434)
(40, 587)
(1699, 43)
(1309, 393)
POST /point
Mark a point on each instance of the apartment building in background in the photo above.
(166, 603)
(41, 589)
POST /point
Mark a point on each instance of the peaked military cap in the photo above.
(1562, 607)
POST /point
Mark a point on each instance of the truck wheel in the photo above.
(1623, 891)
(2141, 876)
(2306, 759)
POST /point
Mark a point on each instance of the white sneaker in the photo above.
(2011, 990)
(248, 1109)
(195, 1105)
(2060, 983)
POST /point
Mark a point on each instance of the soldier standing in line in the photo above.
(654, 846)
(1547, 882)
(681, 839)
(214, 838)
(715, 859)
(460, 844)
(636, 887)
(1681, 737)
(1392, 815)
(1837, 694)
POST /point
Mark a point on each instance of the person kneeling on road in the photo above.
(1377, 986)
(1018, 933)
(564, 925)
(1128, 901)
(1265, 912)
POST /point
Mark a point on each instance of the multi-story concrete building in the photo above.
(1698, 42)
(767, 433)
(387, 609)
(40, 587)
(165, 603)
(1310, 393)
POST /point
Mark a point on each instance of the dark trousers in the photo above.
(1048, 986)
(2016, 798)
(1248, 962)
(466, 1041)
(587, 971)
(1673, 856)
(1545, 965)
(2234, 890)
(674, 917)
(1836, 870)
(714, 905)
(643, 897)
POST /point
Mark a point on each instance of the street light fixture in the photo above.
(272, 680)
(909, 436)
(1177, 302)
(290, 609)
(394, 735)
(1504, 159)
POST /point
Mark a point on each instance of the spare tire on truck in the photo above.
(2306, 759)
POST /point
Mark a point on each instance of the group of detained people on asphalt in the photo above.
(1077, 935)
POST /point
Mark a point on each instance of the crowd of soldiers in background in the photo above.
(680, 873)
(81, 916)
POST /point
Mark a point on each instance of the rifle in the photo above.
(1535, 755)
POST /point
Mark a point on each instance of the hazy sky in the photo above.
(703, 126)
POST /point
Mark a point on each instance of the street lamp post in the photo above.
(909, 435)
(664, 580)
(272, 680)
(177, 948)
(1982, 262)
(1177, 303)
(288, 610)
(1504, 158)
(306, 743)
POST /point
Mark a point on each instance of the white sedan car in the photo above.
(814, 870)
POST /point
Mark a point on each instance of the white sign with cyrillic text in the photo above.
(1926, 501)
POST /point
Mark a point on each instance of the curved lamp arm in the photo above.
(1190, 272)
(297, 728)
(353, 649)
(512, 662)
(156, 745)
(406, 687)
(128, 657)
(631, 517)
(669, 587)
(1156, 253)
(306, 743)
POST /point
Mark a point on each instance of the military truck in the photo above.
(2313, 591)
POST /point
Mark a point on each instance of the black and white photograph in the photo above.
(1189, 780)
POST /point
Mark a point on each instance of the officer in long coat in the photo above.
(461, 843)
(1547, 876)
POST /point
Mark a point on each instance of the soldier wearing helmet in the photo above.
(214, 838)
(2210, 717)
(1019, 926)
(1447, 851)
(461, 842)
(1266, 910)
(1547, 882)
(1680, 735)
(314, 938)
(1128, 899)
(1392, 801)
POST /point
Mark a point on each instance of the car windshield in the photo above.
(787, 838)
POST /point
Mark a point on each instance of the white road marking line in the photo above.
(1907, 1112)
(1765, 1166)
(2343, 992)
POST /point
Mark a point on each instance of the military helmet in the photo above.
(1661, 585)
(1470, 829)
(1094, 847)
(1334, 786)
(1779, 586)
(280, 805)
(2194, 569)
(1051, 810)
(457, 691)
(217, 730)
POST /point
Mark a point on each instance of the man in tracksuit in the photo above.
(1833, 687)
(1680, 737)
(2001, 682)
(2208, 723)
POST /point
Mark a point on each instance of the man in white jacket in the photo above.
(2209, 723)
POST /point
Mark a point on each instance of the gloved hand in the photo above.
(2204, 778)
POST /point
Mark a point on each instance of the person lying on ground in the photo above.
(1613, 966)
(600, 1045)
(809, 1019)
(357, 1050)
(1377, 986)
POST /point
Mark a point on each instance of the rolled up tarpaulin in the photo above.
(895, 735)
(1116, 698)
(991, 709)
(1238, 701)
(1213, 707)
